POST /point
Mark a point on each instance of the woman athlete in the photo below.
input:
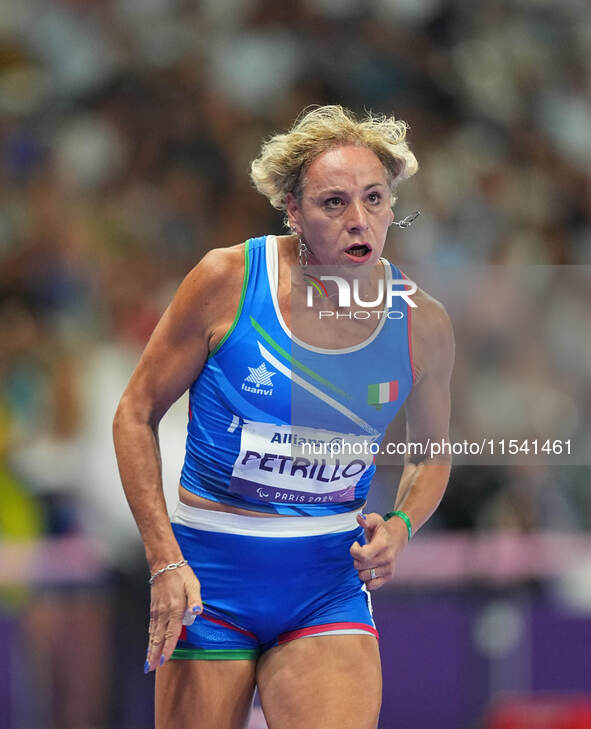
(261, 577)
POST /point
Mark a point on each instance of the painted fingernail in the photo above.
(161, 660)
(197, 609)
(362, 515)
(146, 666)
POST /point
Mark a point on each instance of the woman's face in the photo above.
(344, 212)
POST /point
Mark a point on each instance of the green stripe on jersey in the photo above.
(294, 362)
(240, 303)
(214, 654)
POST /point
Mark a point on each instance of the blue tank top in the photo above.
(276, 425)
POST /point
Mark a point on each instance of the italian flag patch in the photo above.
(381, 393)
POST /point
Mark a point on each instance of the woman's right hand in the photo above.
(175, 600)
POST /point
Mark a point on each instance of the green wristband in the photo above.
(404, 518)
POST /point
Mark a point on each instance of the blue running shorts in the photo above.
(267, 581)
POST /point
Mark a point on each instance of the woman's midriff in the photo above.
(191, 499)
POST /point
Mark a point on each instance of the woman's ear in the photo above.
(293, 213)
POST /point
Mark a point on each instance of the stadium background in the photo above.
(126, 129)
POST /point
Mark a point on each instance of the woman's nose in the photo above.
(357, 216)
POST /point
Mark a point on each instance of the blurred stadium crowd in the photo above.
(126, 129)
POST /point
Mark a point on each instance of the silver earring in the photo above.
(408, 221)
(303, 252)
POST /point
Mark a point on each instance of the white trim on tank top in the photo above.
(272, 260)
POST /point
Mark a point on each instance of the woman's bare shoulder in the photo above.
(219, 267)
(210, 292)
(430, 314)
(432, 334)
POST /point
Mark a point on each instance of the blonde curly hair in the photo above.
(281, 165)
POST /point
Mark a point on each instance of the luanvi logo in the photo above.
(260, 377)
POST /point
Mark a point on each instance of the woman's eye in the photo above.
(333, 202)
(374, 198)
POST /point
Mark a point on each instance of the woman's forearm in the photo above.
(420, 490)
(138, 457)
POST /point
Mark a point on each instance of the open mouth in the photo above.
(359, 250)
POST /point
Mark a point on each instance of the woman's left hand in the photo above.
(375, 561)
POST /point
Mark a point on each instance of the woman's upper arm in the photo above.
(428, 405)
(180, 342)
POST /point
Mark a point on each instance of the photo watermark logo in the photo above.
(344, 297)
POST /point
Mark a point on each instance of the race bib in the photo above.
(290, 464)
